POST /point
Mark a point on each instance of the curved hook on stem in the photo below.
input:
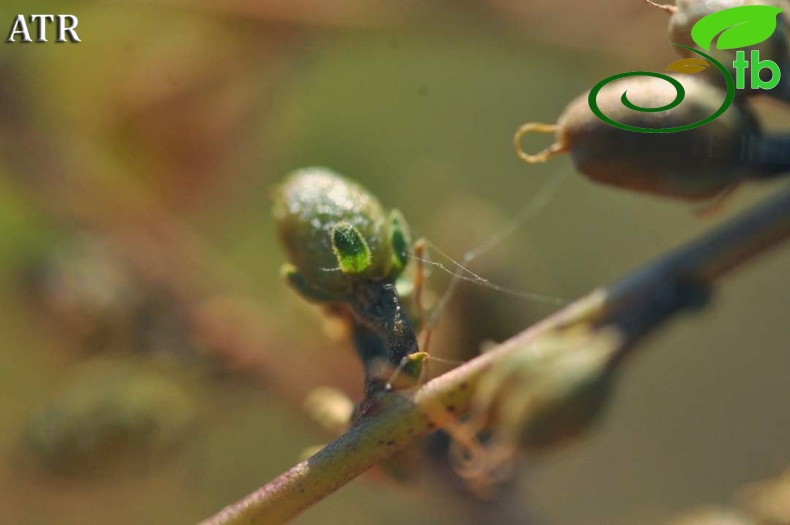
(546, 154)
(671, 9)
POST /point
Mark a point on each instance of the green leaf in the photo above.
(351, 250)
(688, 66)
(739, 27)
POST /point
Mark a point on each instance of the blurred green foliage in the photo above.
(190, 113)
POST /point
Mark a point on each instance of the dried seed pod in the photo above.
(550, 391)
(543, 394)
(685, 14)
(695, 164)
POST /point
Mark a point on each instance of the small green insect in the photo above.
(347, 251)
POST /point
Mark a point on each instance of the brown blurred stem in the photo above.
(637, 305)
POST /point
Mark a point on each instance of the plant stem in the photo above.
(637, 304)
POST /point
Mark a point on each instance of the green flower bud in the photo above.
(333, 228)
(345, 248)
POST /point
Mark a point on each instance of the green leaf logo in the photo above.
(688, 66)
(739, 26)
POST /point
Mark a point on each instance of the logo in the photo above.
(736, 27)
(66, 28)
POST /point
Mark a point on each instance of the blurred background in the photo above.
(153, 366)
